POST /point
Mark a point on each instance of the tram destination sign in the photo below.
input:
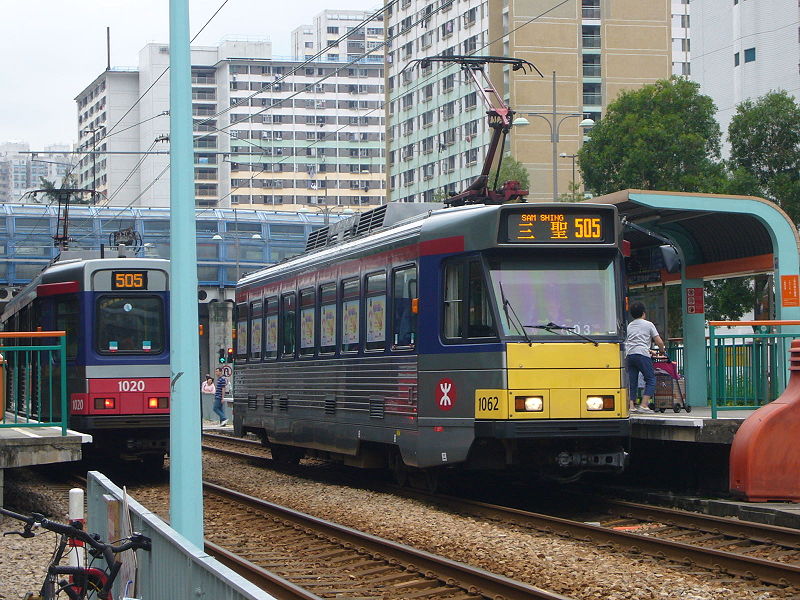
(547, 226)
(128, 280)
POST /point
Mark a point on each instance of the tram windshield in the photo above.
(570, 293)
(129, 325)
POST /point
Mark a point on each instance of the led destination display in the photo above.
(551, 226)
(128, 280)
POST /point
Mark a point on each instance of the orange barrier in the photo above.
(765, 455)
(32, 334)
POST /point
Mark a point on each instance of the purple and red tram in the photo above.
(417, 338)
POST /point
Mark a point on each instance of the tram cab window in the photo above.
(241, 330)
(307, 322)
(288, 328)
(327, 318)
(404, 319)
(375, 318)
(67, 316)
(256, 317)
(129, 324)
(271, 328)
(351, 318)
(467, 313)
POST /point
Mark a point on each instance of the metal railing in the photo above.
(174, 567)
(747, 370)
(33, 379)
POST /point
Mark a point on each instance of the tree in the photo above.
(573, 195)
(52, 192)
(511, 170)
(662, 136)
(765, 145)
(729, 299)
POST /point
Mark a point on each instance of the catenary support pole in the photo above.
(185, 472)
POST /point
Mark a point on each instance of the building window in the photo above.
(736, 60)
(749, 55)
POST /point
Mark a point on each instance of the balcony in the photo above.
(592, 99)
(591, 71)
(591, 41)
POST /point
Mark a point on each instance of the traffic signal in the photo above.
(223, 356)
(230, 355)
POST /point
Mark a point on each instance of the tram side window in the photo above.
(327, 318)
(350, 315)
(271, 328)
(307, 322)
(256, 316)
(480, 320)
(241, 330)
(288, 324)
(453, 300)
(67, 320)
(376, 311)
(404, 317)
(467, 305)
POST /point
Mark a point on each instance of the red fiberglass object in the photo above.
(765, 456)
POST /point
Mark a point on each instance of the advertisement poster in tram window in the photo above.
(350, 325)
(307, 328)
(327, 325)
(241, 337)
(255, 338)
(376, 317)
(272, 333)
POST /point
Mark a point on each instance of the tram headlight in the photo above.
(600, 403)
(528, 403)
(105, 403)
(158, 402)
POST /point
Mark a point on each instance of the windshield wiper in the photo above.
(506, 305)
(552, 327)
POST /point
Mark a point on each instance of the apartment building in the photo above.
(21, 171)
(436, 123)
(336, 33)
(266, 131)
(743, 49)
(681, 38)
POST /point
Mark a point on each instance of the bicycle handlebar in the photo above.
(135, 541)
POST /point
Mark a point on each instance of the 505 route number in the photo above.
(487, 403)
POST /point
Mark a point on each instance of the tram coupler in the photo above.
(611, 460)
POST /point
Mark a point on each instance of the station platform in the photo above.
(696, 426)
(27, 446)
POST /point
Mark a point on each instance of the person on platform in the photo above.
(219, 388)
(642, 334)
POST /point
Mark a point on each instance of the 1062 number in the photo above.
(488, 403)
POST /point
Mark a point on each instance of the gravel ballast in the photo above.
(576, 569)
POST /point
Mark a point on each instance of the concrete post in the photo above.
(185, 469)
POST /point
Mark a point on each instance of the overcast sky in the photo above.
(52, 49)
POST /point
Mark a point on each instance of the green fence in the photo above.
(746, 370)
(33, 379)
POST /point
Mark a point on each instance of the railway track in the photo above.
(231, 446)
(757, 551)
(751, 550)
(300, 556)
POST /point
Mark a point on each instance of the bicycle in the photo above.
(85, 581)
